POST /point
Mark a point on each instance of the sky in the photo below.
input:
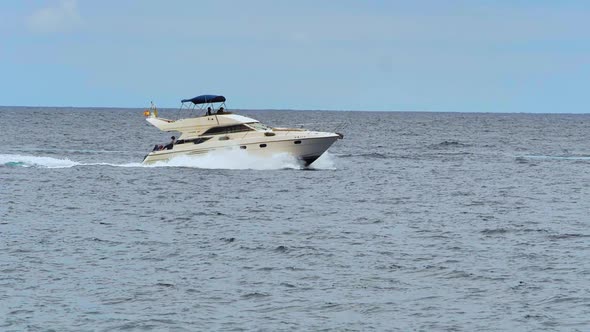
(452, 56)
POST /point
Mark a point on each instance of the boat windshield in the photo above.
(259, 126)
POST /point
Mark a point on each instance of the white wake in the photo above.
(225, 159)
(33, 161)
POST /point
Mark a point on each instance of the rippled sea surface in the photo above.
(415, 221)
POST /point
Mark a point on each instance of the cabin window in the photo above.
(227, 130)
(297, 142)
(263, 145)
(200, 140)
(243, 147)
(258, 126)
(194, 140)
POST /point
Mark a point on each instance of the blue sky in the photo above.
(466, 56)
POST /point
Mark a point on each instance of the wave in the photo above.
(374, 155)
(541, 157)
(15, 160)
(448, 144)
(225, 159)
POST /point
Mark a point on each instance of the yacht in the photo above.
(215, 128)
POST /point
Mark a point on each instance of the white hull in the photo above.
(303, 145)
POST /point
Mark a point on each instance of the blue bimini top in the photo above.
(205, 99)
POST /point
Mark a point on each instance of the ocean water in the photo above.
(412, 222)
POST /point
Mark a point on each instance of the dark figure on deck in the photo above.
(220, 110)
(169, 146)
(208, 110)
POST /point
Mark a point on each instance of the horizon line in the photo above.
(303, 110)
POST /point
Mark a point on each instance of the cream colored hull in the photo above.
(305, 145)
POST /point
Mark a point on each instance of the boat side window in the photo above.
(194, 140)
(200, 140)
(227, 130)
(258, 126)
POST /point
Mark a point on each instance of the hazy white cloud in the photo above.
(63, 16)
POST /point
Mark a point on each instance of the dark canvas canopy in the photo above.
(205, 99)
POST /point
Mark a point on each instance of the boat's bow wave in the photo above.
(228, 159)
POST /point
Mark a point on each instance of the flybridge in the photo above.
(205, 102)
(212, 104)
